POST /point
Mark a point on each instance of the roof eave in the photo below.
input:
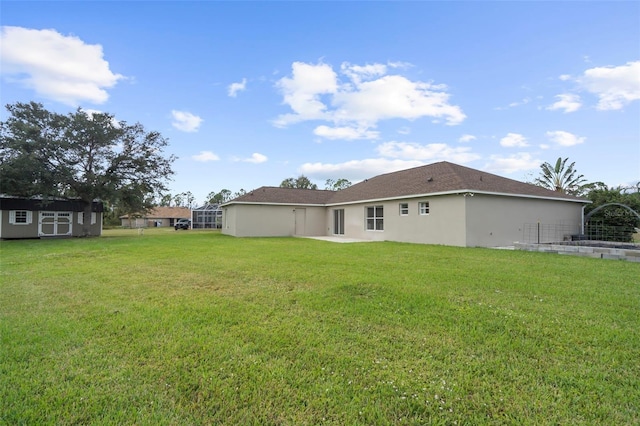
(271, 203)
(458, 192)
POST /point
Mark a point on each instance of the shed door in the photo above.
(53, 224)
(301, 221)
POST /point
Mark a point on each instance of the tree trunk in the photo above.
(86, 219)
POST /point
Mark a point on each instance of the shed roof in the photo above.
(8, 202)
(437, 178)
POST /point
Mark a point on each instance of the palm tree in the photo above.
(561, 178)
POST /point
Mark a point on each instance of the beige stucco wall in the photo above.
(254, 220)
(443, 225)
(456, 220)
(494, 221)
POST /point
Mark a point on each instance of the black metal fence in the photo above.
(541, 233)
(599, 231)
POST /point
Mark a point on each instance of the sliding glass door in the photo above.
(338, 222)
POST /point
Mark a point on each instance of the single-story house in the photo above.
(440, 203)
(40, 217)
(156, 217)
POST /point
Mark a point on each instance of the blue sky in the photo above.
(252, 93)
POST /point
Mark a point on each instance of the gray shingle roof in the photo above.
(438, 178)
(277, 195)
(442, 177)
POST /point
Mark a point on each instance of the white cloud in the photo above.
(345, 133)
(302, 92)
(365, 95)
(394, 156)
(521, 102)
(357, 73)
(466, 138)
(394, 96)
(567, 102)
(256, 158)
(565, 77)
(614, 86)
(514, 140)
(234, 88)
(430, 152)
(57, 67)
(185, 121)
(513, 163)
(562, 138)
(356, 170)
(205, 156)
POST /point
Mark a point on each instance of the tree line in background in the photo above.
(187, 199)
(93, 156)
(613, 222)
(303, 182)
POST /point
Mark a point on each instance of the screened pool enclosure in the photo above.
(207, 216)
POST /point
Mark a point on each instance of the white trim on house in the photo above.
(434, 194)
(258, 203)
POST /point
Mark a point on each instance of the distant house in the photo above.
(40, 218)
(156, 217)
(440, 203)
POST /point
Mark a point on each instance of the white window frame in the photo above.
(13, 217)
(94, 218)
(403, 209)
(423, 208)
(375, 222)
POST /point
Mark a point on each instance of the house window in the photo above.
(19, 217)
(424, 207)
(338, 222)
(375, 218)
(404, 209)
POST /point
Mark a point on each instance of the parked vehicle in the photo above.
(182, 224)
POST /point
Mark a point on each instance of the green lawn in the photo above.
(193, 327)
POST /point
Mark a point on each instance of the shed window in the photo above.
(81, 218)
(424, 207)
(375, 218)
(19, 217)
(404, 209)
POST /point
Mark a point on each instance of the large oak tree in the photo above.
(83, 156)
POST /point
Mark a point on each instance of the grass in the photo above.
(199, 328)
